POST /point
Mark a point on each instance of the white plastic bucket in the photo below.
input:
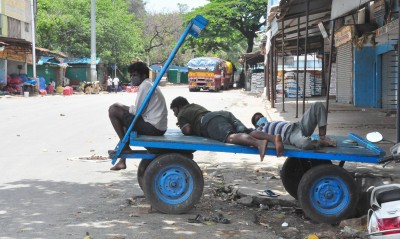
(26, 93)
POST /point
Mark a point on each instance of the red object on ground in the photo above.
(50, 88)
(68, 90)
(135, 89)
(43, 92)
(128, 89)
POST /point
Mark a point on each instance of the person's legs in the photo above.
(142, 128)
(116, 113)
(239, 127)
(297, 139)
(221, 128)
(315, 116)
(325, 140)
(275, 139)
(248, 140)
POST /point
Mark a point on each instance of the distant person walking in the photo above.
(109, 84)
(116, 83)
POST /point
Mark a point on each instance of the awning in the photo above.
(252, 58)
(293, 12)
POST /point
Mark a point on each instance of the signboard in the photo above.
(201, 74)
(343, 35)
(16, 56)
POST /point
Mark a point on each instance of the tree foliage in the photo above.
(124, 30)
(230, 23)
(65, 26)
(162, 33)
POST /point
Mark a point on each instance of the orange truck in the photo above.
(209, 73)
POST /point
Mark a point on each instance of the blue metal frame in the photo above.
(195, 26)
(359, 150)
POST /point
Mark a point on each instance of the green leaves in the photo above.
(124, 30)
(64, 26)
(231, 23)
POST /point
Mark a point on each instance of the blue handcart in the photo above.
(173, 182)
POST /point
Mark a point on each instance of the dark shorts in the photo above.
(141, 127)
(219, 125)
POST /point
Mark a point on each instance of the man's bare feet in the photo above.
(262, 145)
(120, 165)
(327, 142)
(278, 145)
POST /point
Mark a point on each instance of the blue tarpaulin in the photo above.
(80, 61)
(204, 63)
(157, 68)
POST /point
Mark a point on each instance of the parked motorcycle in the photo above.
(384, 215)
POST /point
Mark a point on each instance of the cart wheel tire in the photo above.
(293, 170)
(173, 183)
(327, 193)
(144, 163)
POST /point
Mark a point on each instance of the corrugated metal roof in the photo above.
(293, 12)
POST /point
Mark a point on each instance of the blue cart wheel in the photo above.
(293, 170)
(327, 193)
(173, 183)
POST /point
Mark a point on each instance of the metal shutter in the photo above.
(389, 81)
(344, 80)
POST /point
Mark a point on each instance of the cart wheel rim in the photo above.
(173, 184)
(330, 195)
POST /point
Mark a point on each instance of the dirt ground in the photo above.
(222, 204)
(270, 217)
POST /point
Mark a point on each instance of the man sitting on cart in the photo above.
(194, 119)
(152, 121)
(298, 133)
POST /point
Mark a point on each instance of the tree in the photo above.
(162, 32)
(64, 26)
(137, 8)
(230, 22)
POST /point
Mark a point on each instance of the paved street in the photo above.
(43, 194)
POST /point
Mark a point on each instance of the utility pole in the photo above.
(93, 73)
(33, 42)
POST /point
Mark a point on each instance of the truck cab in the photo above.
(206, 73)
